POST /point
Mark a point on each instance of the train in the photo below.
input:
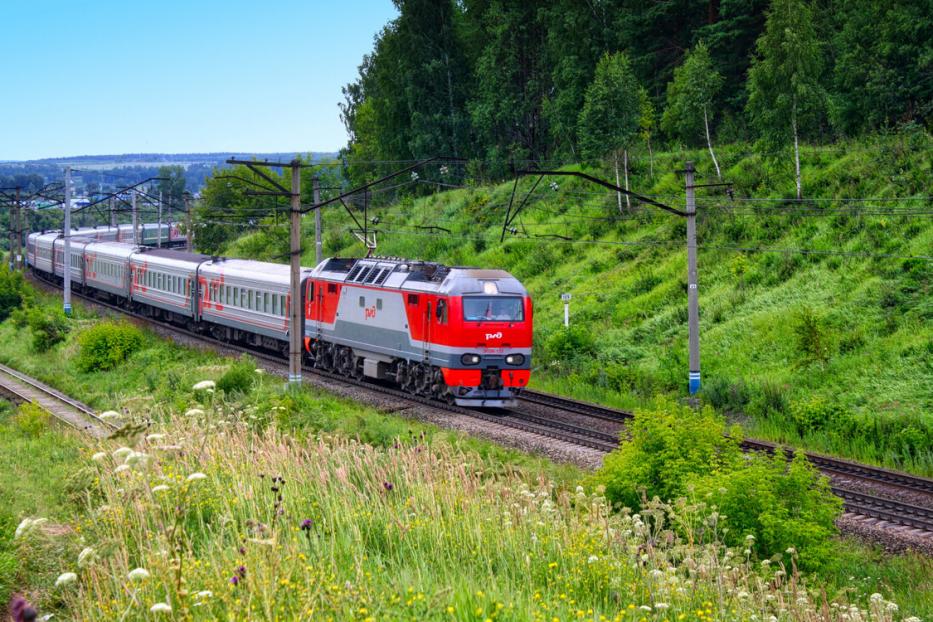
(456, 334)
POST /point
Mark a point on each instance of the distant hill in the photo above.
(106, 171)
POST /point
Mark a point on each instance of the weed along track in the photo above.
(885, 501)
(72, 413)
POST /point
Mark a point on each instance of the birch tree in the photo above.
(609, 120)
(785, 97)
(691, 98)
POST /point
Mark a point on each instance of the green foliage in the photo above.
(30, 419)
(782, 505)
(670, 446)
(675, 451)
(573, 342)
(240, 378)
(691, 97)
(49, 327)
(609, 120)
(785, 95)
(814, 339)
(107, 344)
(14, 291)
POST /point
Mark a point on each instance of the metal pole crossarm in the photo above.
(609, 185)
(252, 164)
(115, 193)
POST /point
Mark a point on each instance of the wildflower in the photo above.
(65, 578)
(138, 574)
(592, 559)
(194, 412)
(122, 452)
(86, 557)
(241, 571)
(891, 607)
(109, 414)
(121, 468)
(204, 594)
(160, 488)
(196, 476)
(306, 524)
(661, 605)
(204, 385)
(27, 526)
(388, 486)
(136, 458)
(234, 580)
(161, 608)
(100, 455)
(876, 598)
(791, 551)
(259, 371)
(155, 437)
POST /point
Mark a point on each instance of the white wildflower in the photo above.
(876, 598)
(136, 458)
(160, 488)
(27, 526)
(749, 538)
(645, 607)
(86, 557)
(155, 437)
(791, 551)
(592, 559)
(205, 594)
(660, 605)
(196, 476)
(194, 412)
(100, 455)
(122, 452)
(259, 371)
(65, 579)
(204, 385)
(891, 607)
(138, 574)
(110, 414)
(121, 468)
(160, 608)
(743, 594)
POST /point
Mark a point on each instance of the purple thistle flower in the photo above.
(234, 580)
(388, 486)
(306, 524)
(241, 571)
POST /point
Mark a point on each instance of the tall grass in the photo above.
(227, 523)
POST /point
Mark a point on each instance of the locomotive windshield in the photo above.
(492, 309)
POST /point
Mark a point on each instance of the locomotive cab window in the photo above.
(492, 309)
(442, 311)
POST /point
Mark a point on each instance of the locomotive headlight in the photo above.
(470, 359)
(515, 359)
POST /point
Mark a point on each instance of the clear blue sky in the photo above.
(177, 76)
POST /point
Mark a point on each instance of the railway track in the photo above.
(72, 413)
(856, 502)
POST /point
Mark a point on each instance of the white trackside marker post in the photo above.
(566, 299)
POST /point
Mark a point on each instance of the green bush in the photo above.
(30, 419)
(565, 344)
(14, 291)
(48, 326)
(725, 396)
(107, 344)
(239, 378)
(782, 505)
(675, 452)
(815, 413)
(814, 338)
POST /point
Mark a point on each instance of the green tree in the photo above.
(172, 189)
(609, 120)
(884, 64)
(691, 97)
(647, 122)
(785, 96)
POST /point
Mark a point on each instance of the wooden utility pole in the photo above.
(693, 304)
(113, 215)
(135, 218)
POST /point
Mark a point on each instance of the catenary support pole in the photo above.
(12, 245)
(113, 215)
(66, 232)
(20, 255)
(693, 310)
(188, 234)
(159, 231)
(295, 307)
(135, 217)
(318, 244)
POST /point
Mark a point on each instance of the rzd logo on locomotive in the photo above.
(370, 312)
(493, 335)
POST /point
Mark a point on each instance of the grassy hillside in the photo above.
(831, 348)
